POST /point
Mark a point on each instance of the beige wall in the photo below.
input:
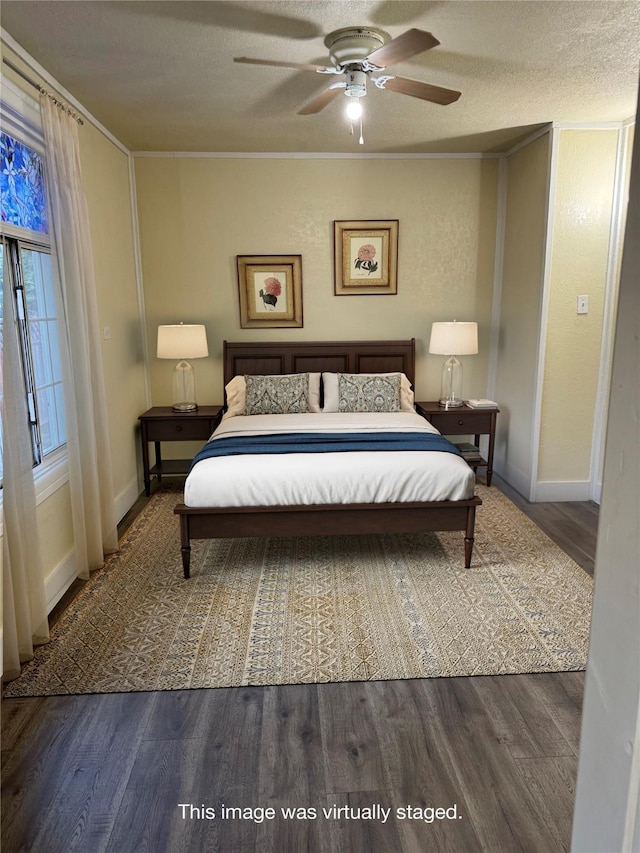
(196, 214)
(540, 329)
(105, 172)
(582, 205)
(521, 301)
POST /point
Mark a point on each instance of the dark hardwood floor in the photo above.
(137, 771)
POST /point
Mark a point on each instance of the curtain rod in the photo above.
(21, 73)
(40, 88)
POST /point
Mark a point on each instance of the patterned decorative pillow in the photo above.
(359, 393)
(277, 395)
(330, 386)
(236, 393)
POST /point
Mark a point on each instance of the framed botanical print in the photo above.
(270, 289)
(365, 257)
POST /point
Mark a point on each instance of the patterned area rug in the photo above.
(317, 609)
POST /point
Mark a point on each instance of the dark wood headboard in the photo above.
(317, 356)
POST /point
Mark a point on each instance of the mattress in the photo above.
(327, 478)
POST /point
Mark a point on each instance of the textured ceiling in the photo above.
(161, 77)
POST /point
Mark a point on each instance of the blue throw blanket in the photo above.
(324, 442)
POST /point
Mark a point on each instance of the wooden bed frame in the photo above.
(325, 519)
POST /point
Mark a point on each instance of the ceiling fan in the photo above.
(359, 54)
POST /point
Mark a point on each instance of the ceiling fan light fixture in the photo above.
(354, 109)
(352, 44)
(356, 84)
(356, 53)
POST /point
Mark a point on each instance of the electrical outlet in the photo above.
(583, 305)
(106, 333)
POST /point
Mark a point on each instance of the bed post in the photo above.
(468, 539)
(185, 548)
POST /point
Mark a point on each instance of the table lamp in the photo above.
(453, 339)
(183, 342)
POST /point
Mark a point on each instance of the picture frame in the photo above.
(270, 291)
(365, 257)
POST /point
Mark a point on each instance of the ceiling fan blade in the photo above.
(424, 91)
(321, 69)
(322, 100)
(403, 47)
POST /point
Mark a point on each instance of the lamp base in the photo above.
(184, 388)
(451, 385)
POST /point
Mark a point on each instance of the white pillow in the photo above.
(330, 384)
(236, 395)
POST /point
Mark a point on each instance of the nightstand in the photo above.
(463, 420)
(161, 423)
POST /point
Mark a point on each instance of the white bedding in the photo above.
(327, 478)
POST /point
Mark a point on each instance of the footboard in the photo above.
(325, 520)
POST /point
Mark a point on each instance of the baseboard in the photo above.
(571, 490)
(126, 499)
(60, 579)
(515, 478)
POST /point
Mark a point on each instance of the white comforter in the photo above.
(327, 478)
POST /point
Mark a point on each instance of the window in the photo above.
(23, 198)
(25, 257)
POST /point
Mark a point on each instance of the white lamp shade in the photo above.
(182, 341)
(454, 338)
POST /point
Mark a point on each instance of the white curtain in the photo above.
(24, 606)
(90, 472)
